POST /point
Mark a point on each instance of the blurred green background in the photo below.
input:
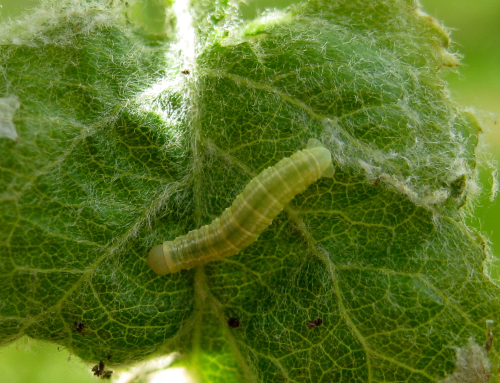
(475, 29)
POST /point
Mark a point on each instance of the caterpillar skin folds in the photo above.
(252, 211)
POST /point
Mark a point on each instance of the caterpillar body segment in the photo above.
(252, 211)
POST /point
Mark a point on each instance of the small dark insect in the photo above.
(100, 372)
(314, 323)
(79, 327)
(106, 374)
(185, 71)
(233, 322)
(489, 341)
(376, 182)
(98, 368)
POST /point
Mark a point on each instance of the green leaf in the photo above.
(130, 133)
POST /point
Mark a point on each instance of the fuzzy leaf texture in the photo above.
(124, 125)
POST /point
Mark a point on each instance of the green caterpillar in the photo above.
(252, 211)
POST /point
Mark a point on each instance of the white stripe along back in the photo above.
(252, 211)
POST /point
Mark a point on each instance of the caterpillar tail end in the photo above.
(314, 143)
(157, 260)
(328, 170)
